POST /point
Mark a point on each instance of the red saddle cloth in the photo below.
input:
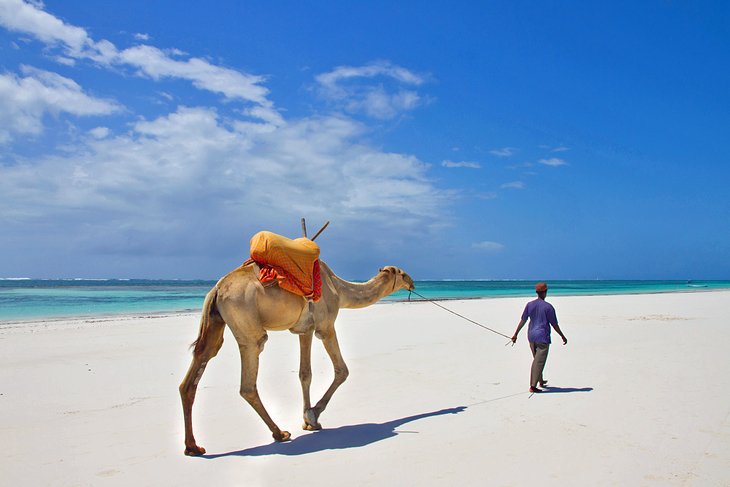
(292, 264)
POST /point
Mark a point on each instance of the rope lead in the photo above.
(460, 316)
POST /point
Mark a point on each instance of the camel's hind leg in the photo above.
(213, 343)
(250, 352)
(311, 416)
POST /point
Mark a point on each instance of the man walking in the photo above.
(542, 316)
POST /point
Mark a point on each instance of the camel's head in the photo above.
(402, 280)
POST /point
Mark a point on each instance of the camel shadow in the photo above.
(351, 436)
(559, 390)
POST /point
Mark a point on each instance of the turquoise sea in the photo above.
(38, 299)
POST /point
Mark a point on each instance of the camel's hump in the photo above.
(274, 249)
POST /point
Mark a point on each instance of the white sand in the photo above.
(644, 400)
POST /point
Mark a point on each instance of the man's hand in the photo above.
(565, 340)
(517, 331)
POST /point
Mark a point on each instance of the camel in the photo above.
(251, 310)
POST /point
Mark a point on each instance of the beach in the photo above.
(639, 396)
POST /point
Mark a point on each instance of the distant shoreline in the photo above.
(152, 315)
(93, 319)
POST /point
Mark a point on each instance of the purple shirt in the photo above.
(542, 315)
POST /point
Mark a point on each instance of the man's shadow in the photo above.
(352, 436)
(558, 390)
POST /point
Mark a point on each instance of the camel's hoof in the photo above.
(194, 451)
(282, 436)
(310, 420)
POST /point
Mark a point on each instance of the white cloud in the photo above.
(99, 132)
(353, 89)
(467, 164)
(21, 16)
(380, 104)
(503, 152)
(488, 246)
(561, 148)
(66, 61)
(25, 101)
(553, 161)
(513, 185)
(161, 186)
(156, 64)
(331, 79)
(186, 181)
(521, 165)
(149, 61)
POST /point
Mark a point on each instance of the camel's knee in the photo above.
(341, 373)
(305, 374)
(250, 394)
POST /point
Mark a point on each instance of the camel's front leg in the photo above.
(305, 372)
(329, 340)
(249, 372)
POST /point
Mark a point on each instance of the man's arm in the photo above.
(557, 329)
(519, 327)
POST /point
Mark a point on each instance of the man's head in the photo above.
(541, 289)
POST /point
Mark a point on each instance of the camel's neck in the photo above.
(360, 295)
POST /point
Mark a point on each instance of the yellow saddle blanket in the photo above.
(293, 264)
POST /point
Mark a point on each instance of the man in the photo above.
(542, 316)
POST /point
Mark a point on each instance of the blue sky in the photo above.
(490, 140)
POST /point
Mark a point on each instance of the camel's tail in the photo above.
(209, 307)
